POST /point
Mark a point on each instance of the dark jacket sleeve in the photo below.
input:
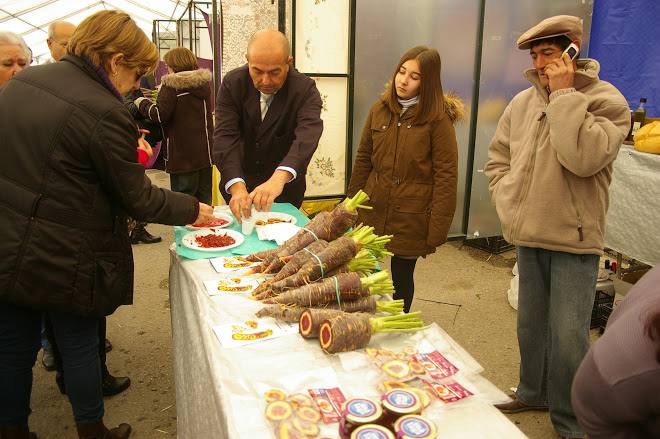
(164, 107)
(113, 153)
(362, 166)
(227, 140)
(444, 154)
(307, 133)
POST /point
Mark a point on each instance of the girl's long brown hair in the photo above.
(431, 97)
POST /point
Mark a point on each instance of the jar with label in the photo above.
(372, 431)
(358, 412)
(400, 402)
(415, 426)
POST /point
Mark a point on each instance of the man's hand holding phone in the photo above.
(561, 72)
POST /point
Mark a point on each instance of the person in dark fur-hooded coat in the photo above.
(184, 108)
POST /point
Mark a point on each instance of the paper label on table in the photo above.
(449, 392)
(329, 402)
(240, 286)
(230, 264)
(244, 333)
(436, 365)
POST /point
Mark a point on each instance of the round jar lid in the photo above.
(415, 426)
(362, 410)
(402, 401)
(372, 431)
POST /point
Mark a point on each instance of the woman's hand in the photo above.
(144, 146)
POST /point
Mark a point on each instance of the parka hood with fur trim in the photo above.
(193, 81)
(454, 107)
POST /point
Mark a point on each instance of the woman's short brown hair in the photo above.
(180, 59)
(106, 33)
(431, 97)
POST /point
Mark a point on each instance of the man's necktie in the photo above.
(265, 103)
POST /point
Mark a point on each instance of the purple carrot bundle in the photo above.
(348, 332)
(325, 225)
(368, 304)
(339, 288)
(337, 253)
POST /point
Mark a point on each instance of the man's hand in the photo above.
(263, 195)
(560, 73)
(205, 214)
(240, 202)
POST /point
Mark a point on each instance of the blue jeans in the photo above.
(555, 300)
(196, 183)
(77, 338)
(45, 344)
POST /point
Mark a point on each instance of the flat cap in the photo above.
(552, 27)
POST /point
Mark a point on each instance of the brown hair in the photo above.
(180, 59)
(431, 97)
(653, 331)
(107, 33)
(561, 41)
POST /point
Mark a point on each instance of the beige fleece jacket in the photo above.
(550, 162)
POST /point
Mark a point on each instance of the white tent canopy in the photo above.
(30, 18)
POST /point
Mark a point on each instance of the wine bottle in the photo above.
(639, 116)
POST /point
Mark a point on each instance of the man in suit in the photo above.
(268, 126)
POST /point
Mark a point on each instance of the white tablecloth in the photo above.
(633, 219)
(219, 391)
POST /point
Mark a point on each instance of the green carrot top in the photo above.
(355, 202)
(398, 323)
(365, 236)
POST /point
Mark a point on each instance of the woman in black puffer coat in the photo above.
(69, 177)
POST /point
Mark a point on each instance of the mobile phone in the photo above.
(572, 51)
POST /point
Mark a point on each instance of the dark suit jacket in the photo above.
(246, 147)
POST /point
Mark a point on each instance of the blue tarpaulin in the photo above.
(624, 39)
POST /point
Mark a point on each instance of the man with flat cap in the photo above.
(268, 126)
(549, 167)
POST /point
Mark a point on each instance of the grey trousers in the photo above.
(555, 301)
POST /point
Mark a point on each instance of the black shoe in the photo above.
(111, 385)
(98, 430)
(114, 385)
(16, 431)
(108, 346)
(140, 234)
(48, 360)
(517, 406)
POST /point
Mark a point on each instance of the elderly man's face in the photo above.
(61, 37)
(268, 70)
(12, 61)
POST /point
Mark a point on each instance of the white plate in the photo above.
(189, 239)
(265, 216)
(219, 215)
